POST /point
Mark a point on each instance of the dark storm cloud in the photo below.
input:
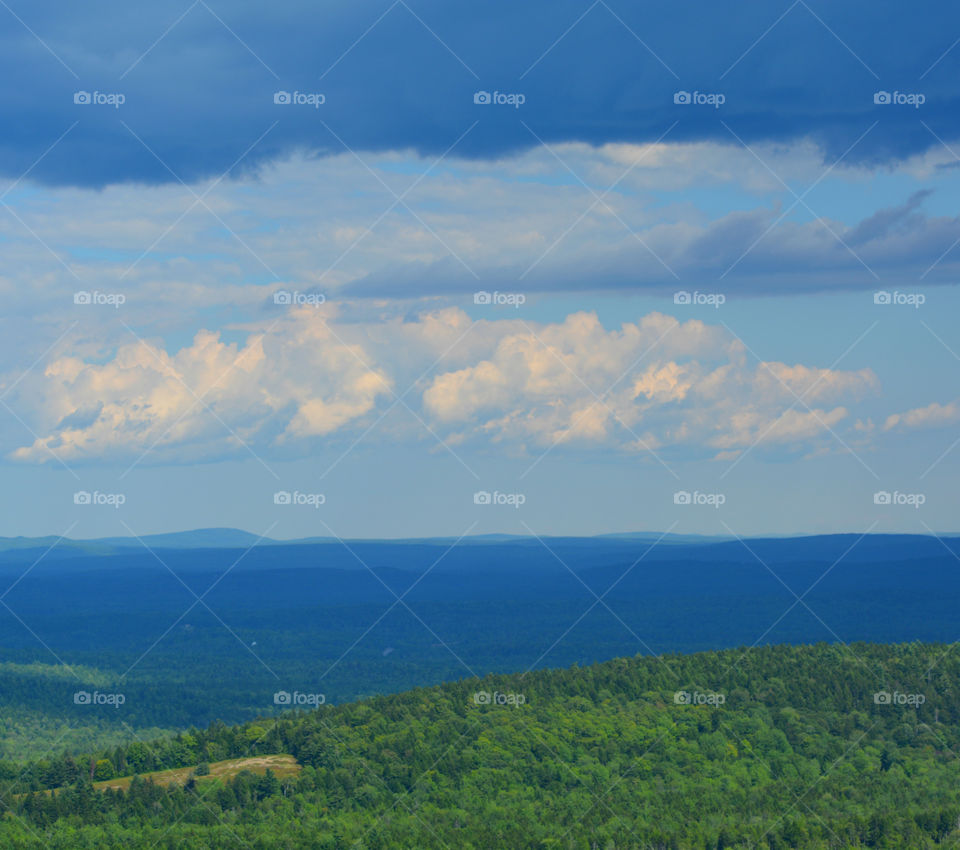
(199, 80)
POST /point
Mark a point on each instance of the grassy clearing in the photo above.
(281, 765)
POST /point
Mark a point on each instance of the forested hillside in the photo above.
(821, 746)
(284, 617)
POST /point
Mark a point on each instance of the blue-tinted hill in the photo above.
(192, 633)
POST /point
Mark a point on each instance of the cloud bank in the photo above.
(311, 378)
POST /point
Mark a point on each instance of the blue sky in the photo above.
(248, 251)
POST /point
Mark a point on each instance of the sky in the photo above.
(428, 269)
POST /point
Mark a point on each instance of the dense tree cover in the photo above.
(499, 607)
(119, 620)
(37, 707)
(772, 747)
(26, 733)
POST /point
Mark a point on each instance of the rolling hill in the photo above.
(778, 747)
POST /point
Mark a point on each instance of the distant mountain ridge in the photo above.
(235, 538)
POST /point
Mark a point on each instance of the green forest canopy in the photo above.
(775, 747)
